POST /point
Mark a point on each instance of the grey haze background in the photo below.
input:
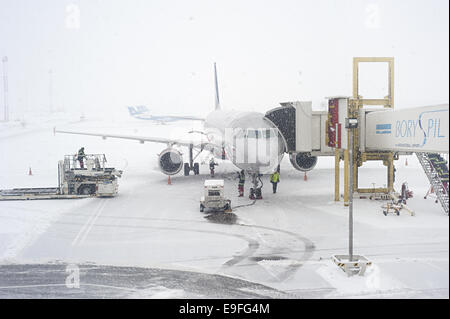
(105, 55)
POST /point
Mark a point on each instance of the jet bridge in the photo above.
(422, 129)
(302, 129)
(382, 134)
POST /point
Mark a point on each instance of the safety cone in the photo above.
(169, 182)
(305, 177)
(406, 162)
(30, 172)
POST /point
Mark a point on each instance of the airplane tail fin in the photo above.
(132, 110)
(217, 105)
(142, 109)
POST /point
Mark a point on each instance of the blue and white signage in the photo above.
(423, 129)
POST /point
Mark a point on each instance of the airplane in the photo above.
(248, 139)
(143, 113)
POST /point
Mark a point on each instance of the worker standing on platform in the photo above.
(241, 183)
(275, 179)
(81, 157)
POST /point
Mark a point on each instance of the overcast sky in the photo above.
(112, 53)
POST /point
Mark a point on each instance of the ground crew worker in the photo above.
(81, 156)
(211, 166)
(241, 183)
(223, 153)
(275, 179)
(393, 174)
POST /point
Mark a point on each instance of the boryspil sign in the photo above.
(423, 129)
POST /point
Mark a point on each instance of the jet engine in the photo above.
(303, 161)
(170, 161)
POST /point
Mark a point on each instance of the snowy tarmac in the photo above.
(278, 248)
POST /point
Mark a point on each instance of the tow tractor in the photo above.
(94, 180)
(214, 199)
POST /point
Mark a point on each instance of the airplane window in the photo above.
(252, 133)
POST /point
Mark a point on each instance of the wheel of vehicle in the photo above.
(186, 169)
(196, 168)
(202, 208)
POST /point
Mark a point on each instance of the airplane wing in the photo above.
(142, 139)
(142, 113)
(175, 117)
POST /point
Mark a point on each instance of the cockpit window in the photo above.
(253, 133)
(263, 133)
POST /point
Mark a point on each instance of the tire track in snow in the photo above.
(253, 244)
(307, 252)
(84, 231)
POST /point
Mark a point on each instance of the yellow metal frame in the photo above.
(356, 103)
(388, 101)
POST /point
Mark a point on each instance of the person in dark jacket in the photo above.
(81, 157)
(241, 183)
(212, 164)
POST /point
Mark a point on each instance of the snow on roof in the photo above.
(214, 182)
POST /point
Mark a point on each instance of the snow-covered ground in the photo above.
(283, 242)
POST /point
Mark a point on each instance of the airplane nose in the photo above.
(260, 153)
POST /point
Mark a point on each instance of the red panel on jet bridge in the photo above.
(334, 136)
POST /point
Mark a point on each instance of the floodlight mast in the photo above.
(5, 89)
(50, 91)
(350, 124)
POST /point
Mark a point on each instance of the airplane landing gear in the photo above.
(191, 166)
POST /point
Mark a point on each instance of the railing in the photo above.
(97, 161)
(435, 180)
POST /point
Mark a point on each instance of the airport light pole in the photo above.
(5, 89)
(350, 124)
(50, 91)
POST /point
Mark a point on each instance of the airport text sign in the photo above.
(423, 129)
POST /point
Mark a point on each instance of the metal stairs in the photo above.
(435, 180)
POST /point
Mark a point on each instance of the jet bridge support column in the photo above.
(337, 159)
(346, 175)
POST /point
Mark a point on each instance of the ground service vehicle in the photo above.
(93, 180)
(213, 198)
